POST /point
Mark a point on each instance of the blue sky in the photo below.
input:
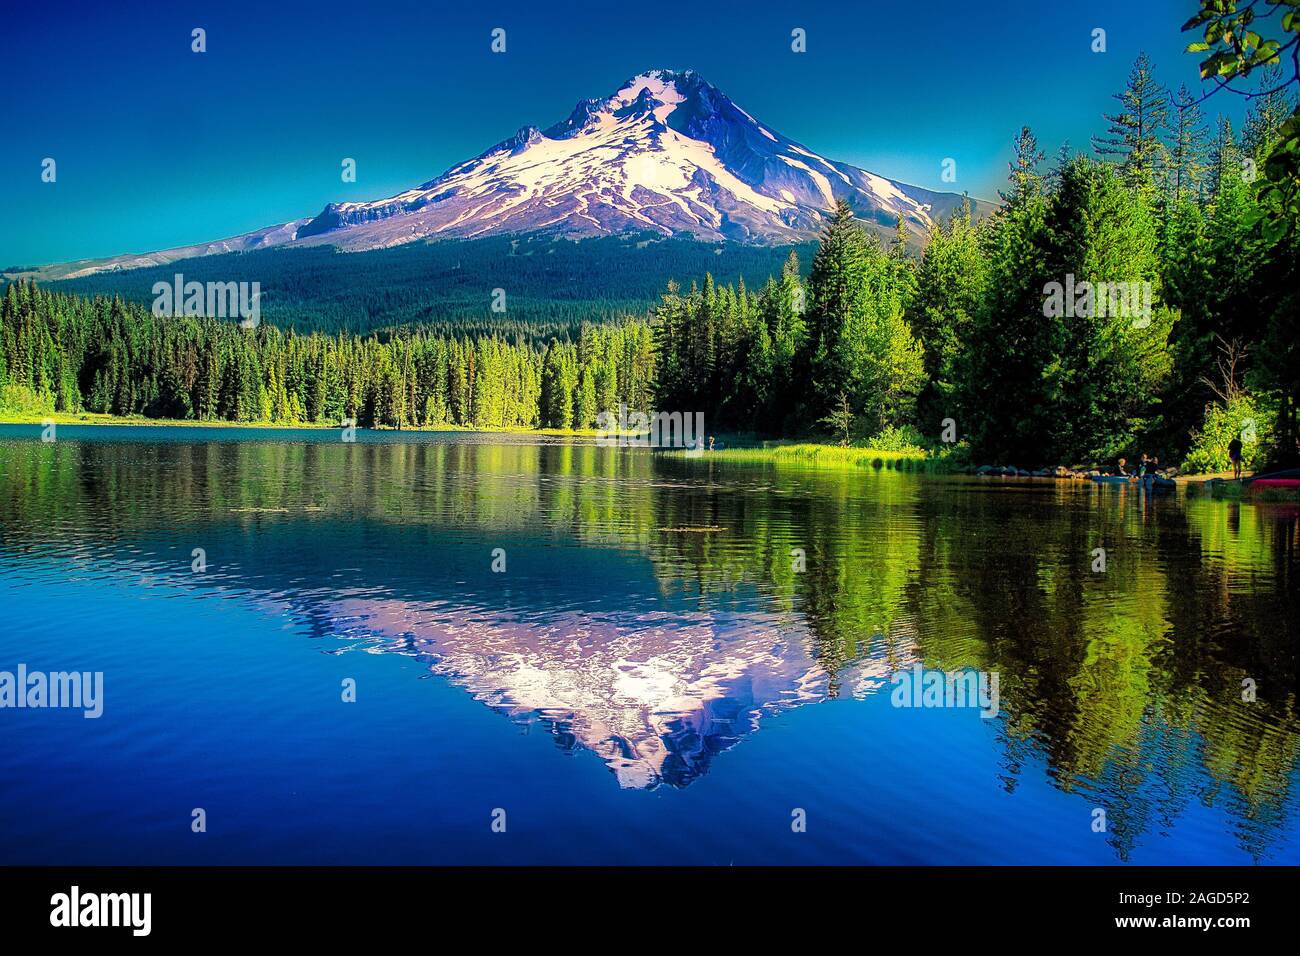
(157, 146)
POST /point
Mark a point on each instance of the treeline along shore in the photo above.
(1132, 301)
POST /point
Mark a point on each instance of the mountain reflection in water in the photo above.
(660, 650)
(656, 695)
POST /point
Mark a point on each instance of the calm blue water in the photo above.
(649, 680)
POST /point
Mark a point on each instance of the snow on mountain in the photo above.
(668, 153)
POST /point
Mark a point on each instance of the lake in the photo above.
(468, 648)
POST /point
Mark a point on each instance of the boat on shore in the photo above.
(1282, 478)
(1146, 482)
(1282, 485)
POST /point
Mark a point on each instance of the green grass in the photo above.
(809, 454)
(13, 416)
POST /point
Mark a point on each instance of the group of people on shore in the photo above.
(1151, 465)
(1147, 466)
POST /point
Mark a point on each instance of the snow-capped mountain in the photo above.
(668, 153)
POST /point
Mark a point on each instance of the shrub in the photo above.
(904, 439)
(1223, 423)
(21, 400)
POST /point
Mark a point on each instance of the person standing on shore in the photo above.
(1234, 452)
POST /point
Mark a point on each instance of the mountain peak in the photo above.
(666, 86)
(667, 153)
(654, 93)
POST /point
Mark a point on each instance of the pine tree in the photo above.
(1189, 148)
(862, 345)
(1004, 407)
(1266, 114)
(1136, 131)
(1111, 358)
(838, 285)
(584, 408)
(950, 288)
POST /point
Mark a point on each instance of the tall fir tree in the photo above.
(1136, 131)
(1188, 149)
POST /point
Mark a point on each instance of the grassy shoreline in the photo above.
(802, 454)
(816, 455)
(95, 418)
